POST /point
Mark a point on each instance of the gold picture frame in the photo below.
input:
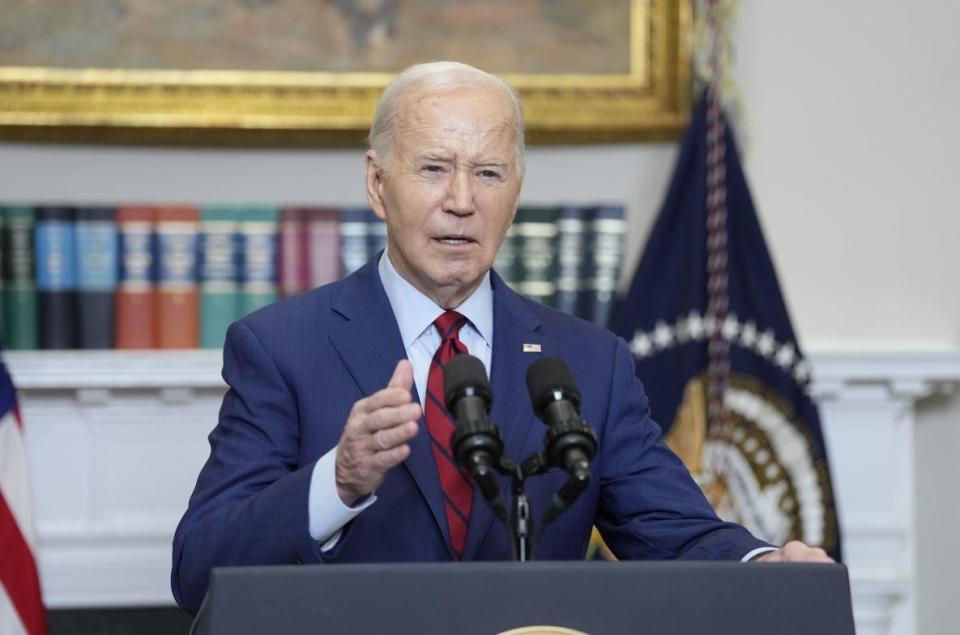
(225, 107)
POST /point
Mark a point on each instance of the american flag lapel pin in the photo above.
(531, 348)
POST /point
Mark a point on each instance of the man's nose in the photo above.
(460, 193)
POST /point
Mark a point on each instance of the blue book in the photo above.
(56, 271)
(97, 247)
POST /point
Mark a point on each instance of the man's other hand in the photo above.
(796, 551)
(375, 438)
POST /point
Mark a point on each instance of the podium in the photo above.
(487, 598)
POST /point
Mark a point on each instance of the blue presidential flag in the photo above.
(716, 352)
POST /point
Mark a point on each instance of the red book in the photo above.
(323, 229)
(136, 295)
(178, 294)
(292, 271)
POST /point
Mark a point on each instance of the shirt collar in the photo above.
(415, 312)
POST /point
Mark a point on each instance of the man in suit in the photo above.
(332, 443)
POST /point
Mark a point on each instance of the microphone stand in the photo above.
(521, 524)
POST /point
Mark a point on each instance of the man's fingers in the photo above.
(387, 439)
(392, 457)
(390, 417)
(385, 398)
(402, 375)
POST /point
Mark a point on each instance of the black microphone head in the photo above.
(545, 378)
(465, 376)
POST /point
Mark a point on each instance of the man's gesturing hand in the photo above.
(376, 435)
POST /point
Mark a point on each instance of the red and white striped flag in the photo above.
(21, 606)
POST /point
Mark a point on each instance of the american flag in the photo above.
(21, 606)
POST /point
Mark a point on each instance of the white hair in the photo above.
(435, 76)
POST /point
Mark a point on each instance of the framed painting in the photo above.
(309, 72)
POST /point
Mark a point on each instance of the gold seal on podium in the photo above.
(542, 630)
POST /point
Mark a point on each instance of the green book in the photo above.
(2, 334)
(507, 262)
(19, 294)
(536, 228)
(258, 227)
(219, 273)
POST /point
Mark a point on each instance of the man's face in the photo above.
(450, 189)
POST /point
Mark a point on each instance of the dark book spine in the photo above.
(607, 228)
(56, 259)
(97, 264)
(3, 218)
(19, 281)
(507, 262)
(353, 240)
(537, 228)
(571, 257)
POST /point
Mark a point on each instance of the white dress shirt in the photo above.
(415, 314)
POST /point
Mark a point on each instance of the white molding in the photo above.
(39, 370)
(911, 374)
(201, 368)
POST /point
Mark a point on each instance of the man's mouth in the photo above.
(453, 240)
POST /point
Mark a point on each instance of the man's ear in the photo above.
(374, 184)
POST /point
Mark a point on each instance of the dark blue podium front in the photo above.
(598, 598)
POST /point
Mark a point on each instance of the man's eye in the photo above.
(490, 174)
(433, 168)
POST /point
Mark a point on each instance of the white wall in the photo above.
(851, 117)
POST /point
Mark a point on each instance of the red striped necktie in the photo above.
(457, 491)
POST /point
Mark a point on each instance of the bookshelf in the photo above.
(159, 277)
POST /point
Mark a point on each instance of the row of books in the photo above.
(160, 276)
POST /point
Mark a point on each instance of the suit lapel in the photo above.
(514, 325)
(369, 343)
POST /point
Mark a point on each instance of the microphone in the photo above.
(477, 445)
(570, 442)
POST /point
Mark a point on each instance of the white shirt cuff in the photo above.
(327, 514)
(753, 554)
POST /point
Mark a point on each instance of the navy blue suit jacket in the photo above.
(294, 370)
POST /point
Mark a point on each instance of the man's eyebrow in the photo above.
(440, 157)
(485, 163)
(434, 156)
